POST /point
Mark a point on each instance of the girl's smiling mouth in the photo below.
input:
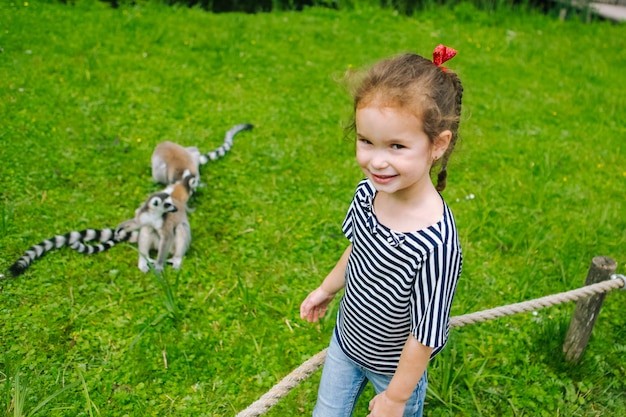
(382, 179)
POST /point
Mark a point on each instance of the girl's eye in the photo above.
(397, 146)
(364, 141)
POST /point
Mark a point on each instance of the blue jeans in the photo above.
(343, 381)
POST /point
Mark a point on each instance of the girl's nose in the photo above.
(379, 160)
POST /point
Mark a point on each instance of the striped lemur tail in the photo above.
(106, 239)
(220, 151)
(114, 237)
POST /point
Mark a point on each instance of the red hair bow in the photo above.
(442, 54)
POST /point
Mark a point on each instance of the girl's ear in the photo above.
(442, 141)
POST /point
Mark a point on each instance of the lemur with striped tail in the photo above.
(158, 205)
(169, 234)
(170, 160)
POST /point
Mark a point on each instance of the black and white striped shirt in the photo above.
(396, 284)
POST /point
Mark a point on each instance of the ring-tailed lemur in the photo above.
(169, 234)
(162, 226)
(170, 160)
(156, 207)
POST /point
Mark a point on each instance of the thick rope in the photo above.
(536, 304)
(281, 389)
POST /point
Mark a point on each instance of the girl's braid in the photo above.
(454, 128)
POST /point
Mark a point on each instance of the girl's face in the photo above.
(393, 151)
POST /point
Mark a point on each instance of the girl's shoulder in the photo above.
(364, 194)
(365, 188)
(442, 232)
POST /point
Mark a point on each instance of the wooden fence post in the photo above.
(587, 309)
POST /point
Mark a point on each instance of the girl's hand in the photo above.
(315, 305)
(382, 406)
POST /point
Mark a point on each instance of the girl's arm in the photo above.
(413, 363)
(314, 306)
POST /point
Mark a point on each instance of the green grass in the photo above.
(88, 91)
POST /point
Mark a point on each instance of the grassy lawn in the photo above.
(537, 185)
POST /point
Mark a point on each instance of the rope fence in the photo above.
(537, 304)
(590, 290)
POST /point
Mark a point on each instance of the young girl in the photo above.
(403, 262)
